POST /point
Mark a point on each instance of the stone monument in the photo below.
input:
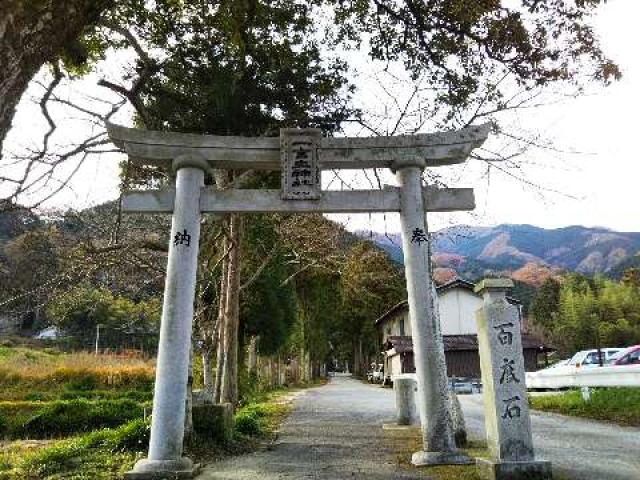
(506, 407)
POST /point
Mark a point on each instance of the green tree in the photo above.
(631, 276)
(268, 307)
(371, 284)
(31, 263)
(316, 328)
(546, 304)
(35, 32)
(79, 311)
(236, 68)
(473, 53)
(595, 312)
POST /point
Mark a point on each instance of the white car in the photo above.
(562, 374)
(589, 358)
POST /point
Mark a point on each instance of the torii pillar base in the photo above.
(163, 470)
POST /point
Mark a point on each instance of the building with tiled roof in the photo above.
(457, 304)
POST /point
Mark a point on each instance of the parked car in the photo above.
(563, 374)
(461, 385)
(628, 356)
(559, 363)
(589, 358)
(376, 374)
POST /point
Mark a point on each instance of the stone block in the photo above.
(407, 412)
(406, 409)
(533, 470)
(506, 404)
(214, 421)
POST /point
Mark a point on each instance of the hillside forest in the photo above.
(308, 288)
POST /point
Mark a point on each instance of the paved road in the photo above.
(583, 449)
(334, 432)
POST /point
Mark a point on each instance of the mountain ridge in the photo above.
(509, 248)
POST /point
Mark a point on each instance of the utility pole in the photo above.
(97, 339)
(598, 318)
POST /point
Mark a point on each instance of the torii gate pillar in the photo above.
(170, 391)
(437, 430)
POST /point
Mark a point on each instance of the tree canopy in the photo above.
(580, 313)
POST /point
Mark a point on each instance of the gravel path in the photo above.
(583, 449)
(335, 432)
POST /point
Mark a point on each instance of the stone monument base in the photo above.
(422, 458)
(146, 469)
(213, 421)
(532, 470)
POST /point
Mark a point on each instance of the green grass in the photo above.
(261, 419)
(40, 420)
(618, 405)
(102, 454)
(81, 413)
(404, 441)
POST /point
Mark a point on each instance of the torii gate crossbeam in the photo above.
(301, 155)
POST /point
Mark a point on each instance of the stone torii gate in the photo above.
(301, 155)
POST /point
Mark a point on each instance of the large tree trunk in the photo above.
(207, 371)
(32, 33)
(229, 386)
(222, 305)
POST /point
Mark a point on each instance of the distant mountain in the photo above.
(528, 253)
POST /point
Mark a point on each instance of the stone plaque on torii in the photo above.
(300, 155)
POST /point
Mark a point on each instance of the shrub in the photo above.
(72, 416)
(3, 425)
(35, 397)
(248, 423)
(259, 419)
(84, 383)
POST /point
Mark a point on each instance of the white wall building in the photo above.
(458, 304)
